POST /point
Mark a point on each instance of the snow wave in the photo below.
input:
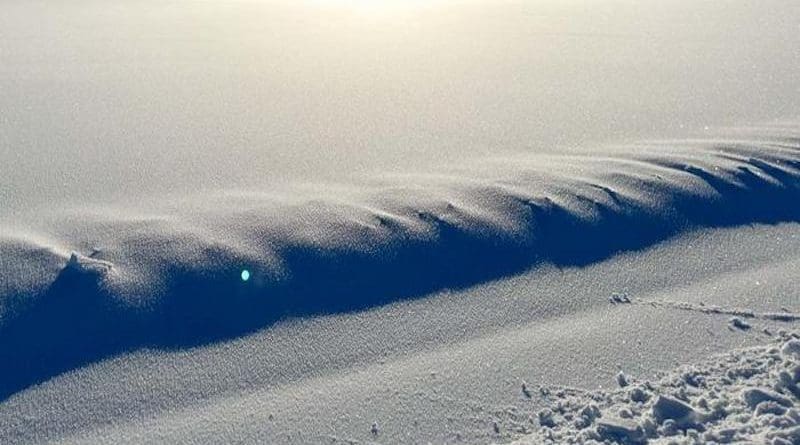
(83, 283)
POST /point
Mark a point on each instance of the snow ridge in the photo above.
(85, 283)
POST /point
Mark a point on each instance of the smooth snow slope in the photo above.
(440, 369)
(116, 101)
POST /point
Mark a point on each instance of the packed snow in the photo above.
(748, 395)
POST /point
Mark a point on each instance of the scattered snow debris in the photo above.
(741, 313)
(374, 428)
(622, 379)
(781, 316)
(617, 298)
(739, 323)
(746, 396)
(790, 436)
(525, 390)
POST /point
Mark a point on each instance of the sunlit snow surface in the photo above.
(187, 174)
(163, 273)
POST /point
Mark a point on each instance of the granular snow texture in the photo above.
(748, 395)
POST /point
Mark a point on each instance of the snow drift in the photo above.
(80, 284)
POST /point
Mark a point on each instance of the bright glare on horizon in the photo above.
(376, 8)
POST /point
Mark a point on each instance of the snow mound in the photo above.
(87, 265)
(749, 395)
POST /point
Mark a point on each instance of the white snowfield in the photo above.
(399, 222)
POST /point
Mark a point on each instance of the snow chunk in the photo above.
(670, 408)
(755, 396)
(526, 391)
(86, 265)
(617, 298)
(791, 350)
(639, 395)
(620, 430)
(546, 418)
(739, 323)
(622, 379)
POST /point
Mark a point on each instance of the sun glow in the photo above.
(377, 8)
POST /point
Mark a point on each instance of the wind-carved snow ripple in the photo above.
(86, 283)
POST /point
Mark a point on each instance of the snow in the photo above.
(414, 369)
(741, 398)
(791, 349)
(622, 379)
(739, 323)
(158, 278)
(399, 221)
(87, 265)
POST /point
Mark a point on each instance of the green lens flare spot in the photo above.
(245, 275)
